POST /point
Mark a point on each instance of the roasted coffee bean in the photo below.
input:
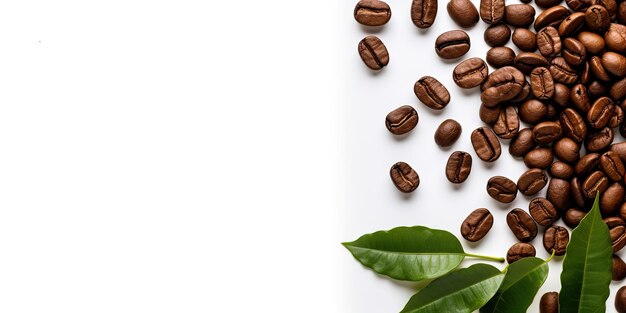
(527, 61)
(522, 95)
(539, 158)
(572, 217)
(497, 35)
(522, 143)
(574, 52)
(597, 89)
(600, 113)
(519, 15)
(622, 211)
(619, 268)
(463, 12)
(486, 144)
(502, 189)
(614, 63)
(423, 12)
(573, 125)
(618, 236)
(610, 6)
(561, 170)
(567, 150)
(613, 221)
(598, 70)
(404, 177)
(507, 124)
(401, 120)
(541, 83)
(489, 115)
(522, 225)
(597, 18)
(620, 149)
(599, 140)
(579, 5)
(572, 24)
(519, 251)
(477, 225)
(585, 73)
(615, 38)
(577, 194)
(621, 13)
(618, 90)
(551, 17)
(612, 166)
(525, 40)
(533, 111)
(500, 56)
(542, 211)
(459, 167)
(558, 194)
(492, 11)
(373, 53)
(372, 12)
(587, 164)
(547, 3)
(502, 85)
(470, 73)
(531, 182)
(618, 118)
(620, 300)
(611, 199)
(552, 113)
(562, 72)
(594, 183)
(593, 42)
(547, 132)
(549, 302)
(432, 93)
(561, 95)
(556, 239)
(452, 44)
(548, 42)
(447, 133)
(580, 98)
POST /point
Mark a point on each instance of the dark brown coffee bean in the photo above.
(502, 85)
(522, 95)
(561, 95)
(401, 120)
(561, 170)
(587, 164)
(614, 63)
(567, 150)
(447, 133)
(558, 194)
(610, 6)
(519, 251)
(372, 12)
(463, 12)
(611, 199)
(618, 118)
(618, 237)
(423, 12)
(477, 225)
(600, 113)
(573, 125)
(459, 167)
(597, 18)
(486, 144)
(519, 15)
(373, 53)
(470, 73)
(432, 93)
(489, 115)
(562, 72)
(572, 217)
(525, 40)
(551, 17)
(452, 44)
(621, 13)
(532, 181)
(491, 11)
(572, 24)
(620, 300)
(620, 149)
(522, 225)
(539, 158)
(542, 211)
(549, 302)
(579, 5)
(522, 143)
(599, 140)
(547, 132)
(618, 90)
(533, 111)
(594, 183)
(615, 37)
(622, 211)
(574, 52)
(497, 35)
(548, 42)
(541, 83)
(507, 124)
(500, 56)
(404, 177)
(585, 73)
(577, 194)
(527, 61)
(580, 98)
(593, 42)
(595, 64)
(597, 89)
(556, 239)
(547, 3)
(619, 268)
(502, 189)
(612, 166)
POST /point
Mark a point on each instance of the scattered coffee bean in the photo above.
(432, 93)
(558, 194)
(502, 189)
(547, 132)
(524, 39)
(587, 164)
(372, 12)
(497, 35)
(615, 37)
(562, 72)
(507, 124)
(572, 217)
(522, 143)
(470, 73)
(596, 182)
(519, 251)
(614, 63)
(580, 98)
(617, 232)
(612, 166)
(572, 24)
(551, 17)
(595, 64)
(424, 12)
(561, 170)
(556, 238)
(486, 144)
(477, 225)
(611, 199)
(539, 158)
(597, 18)
(447, 133)
(567, 150)
(542, 211)
(404, 177)
(452, 44)
(533, 111)
(522, 225)
(401, 120)
(531, 182)
(489, 115)
(600, 113)
(541, 83)
(458, 167)
(599, 140)
(549, 42)
(519, 15)
(620, 300)
(463, 12)
(527, 61)
(502, 85)
(549, 302)
(577, 194)
(500, 56)
(619, 268)
(593, 42)
(492, 11)
(373, 53)
(574, 52)
(573, 125)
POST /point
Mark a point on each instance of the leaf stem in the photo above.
(485, 257)
(551, 256)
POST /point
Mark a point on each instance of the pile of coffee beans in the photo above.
(558, 101)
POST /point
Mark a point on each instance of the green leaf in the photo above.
(408, 253)
(587, 266)
(461, 291)
(520, 285)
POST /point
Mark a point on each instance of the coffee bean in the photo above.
(620, 300)
(533, 111)
(507, 124)
(452, 44)
(597, 89)
(522, 95)
(558, 194)
(620, 149)
(492, 11)
(612, 166)
(541, 83)
(525, 40)
(551, 17)
(618, 89)
(593, 42)
(599, 72)
(572, 24)
(522, 225)
(489, 115)
(401, 120)
(522, 143)
(579, 5)
(614, 63)
(500, 56)
(610, 6)
(463, 12)
(567, 150)
(502, 189)
(547, 3)
(531, 182)
(574, 52)
(486, 144)
(556, 239)
(611, 199)
(622, 211)
(542, 211)
(615, 37)
(619, 268)
(404, 177)
(470, 73)
(539, 158)
(587, 164)
(423, 12)
(549, 302)
(585, 73)
(527, 61)
(519, 251)
(617, 232)
(596, 182)
(600, 113)
(561, 95)
(373, 53)
(549, 42)
(597, 18)
(580, 98)
(621, 13)
(573, 125)
(572, 217)
(372, 12)
(618, 118)
(432, 93)
(497, 35)
(477, 225)
(519, 15)
(577, 194)
(547, 132)
(502, 85)
(562, 72)
(561, 170)
(458, 167)
(447, 133)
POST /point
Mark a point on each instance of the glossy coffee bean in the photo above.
(562, 72)
(404, 177)
(614, 63)
(522, 95)
(597, 18)
(522, 225)
(532, 181)
(573, 125)
(599, 140)
(587, 164)
(556, 238)
(401, 120)
(533, 111)
(507, 124)
(615, 38)
(547, 132)
(596, 182)
(620, 149)
(610, 6)
(612, 166)
(593, 42)
(618, 90)
(542, 211)
(539, 158)
(519, 251)
(477, 225)
(567, 150)
(549, 302)
(541, 83)
(551, 17)
(522, 143)
(618, 118)
(558, 194)
(492, 11)
(524, 39)
(617, 232)
(577, 194)
(598, 70)
(600, 113)
(452, 44)
(561, 170)
(463, 12)
(549, 42)
(447, 133)
(519, 15)
(620, 300)
(619, 268)
(486, 144)
(373, 53)
(597, 88)
(572, 217)
(500, 56)
(612, 199)
(432, 93)
(497, 35)
(502, 189)
(572, 24)
(547, 3)
(470, 73)
(489, 115)
(502, 85)
(423, 12)
(527, 61)
(561, 95)
(372, 12)
(574, 52)
(459, 167)
(579, 5)
(621, 13)
(580, 98)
